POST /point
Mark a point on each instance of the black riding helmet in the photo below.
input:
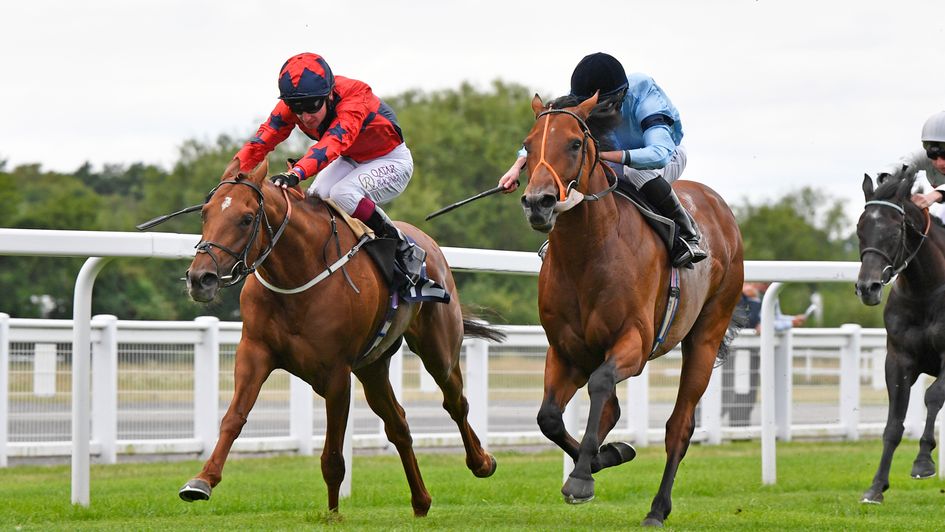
(598, 72)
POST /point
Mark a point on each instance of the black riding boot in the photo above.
(686, 249)
(409, 257)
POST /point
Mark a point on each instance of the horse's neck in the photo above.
(297, 256)
(926, 271)
(580, 233)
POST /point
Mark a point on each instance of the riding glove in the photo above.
(287, 178)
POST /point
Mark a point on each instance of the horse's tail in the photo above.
(739, 320)
(476, 327)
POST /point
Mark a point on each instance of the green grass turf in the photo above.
(718, 487)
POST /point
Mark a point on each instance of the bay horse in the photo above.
(319, 333)
(603, 288)
(897, 237)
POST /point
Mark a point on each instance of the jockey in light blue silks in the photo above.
(647, 141)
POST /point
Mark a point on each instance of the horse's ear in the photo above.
(867, 187)
(232, 170)
(584, 108)
(537, 105)
(905, 188)
(260, 172)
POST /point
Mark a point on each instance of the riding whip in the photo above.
(460, 203)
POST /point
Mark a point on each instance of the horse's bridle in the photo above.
(241, 269)
(565, 190)
(891, 270)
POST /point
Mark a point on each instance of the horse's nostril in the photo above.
(209, 280)
(548, 201)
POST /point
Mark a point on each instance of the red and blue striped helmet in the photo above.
(305, 75)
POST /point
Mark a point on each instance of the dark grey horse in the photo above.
(897, 237)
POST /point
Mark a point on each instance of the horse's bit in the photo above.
(565, 190)
(891, 270)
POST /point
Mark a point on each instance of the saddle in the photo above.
(382, 251)
(664, 227)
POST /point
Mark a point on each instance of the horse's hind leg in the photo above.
(381, 399)
(440, 356)
(899, 382)
(924, 466)
(700, 349)
(251, 369)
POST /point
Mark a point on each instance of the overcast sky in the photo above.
(773, 95)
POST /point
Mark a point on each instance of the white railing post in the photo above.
(347, 448)
(850, 381)
(638, 407)
(207, 384)
(711, 411)
(878, 359)
(44, 369)
(395, 373)
(941, 444)
(4, 386)
(769, 466)
(105, 387)
(916, 412)
(81, 380)
(477, 391)
(301, 414)
(570, 418)
(783, 383)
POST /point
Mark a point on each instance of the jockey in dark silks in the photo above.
(359, 159)
(648, 141)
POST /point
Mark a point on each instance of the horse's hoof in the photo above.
(652, 521)
(578, 491)
(872, 497)
(195, 490)
(615, 453)
(923, 469)
(488, 472)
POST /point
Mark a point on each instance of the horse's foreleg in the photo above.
(924, 466)
(337, 406)
(381, 399)
(561, 382)
(898, 384)
(251, 369)
(621, 361)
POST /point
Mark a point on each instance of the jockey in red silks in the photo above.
(359, 159)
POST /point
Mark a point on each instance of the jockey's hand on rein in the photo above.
(285, 179)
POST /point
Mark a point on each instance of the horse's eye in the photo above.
(246, 220)
(575, 145)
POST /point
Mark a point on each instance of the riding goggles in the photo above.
(305, 105)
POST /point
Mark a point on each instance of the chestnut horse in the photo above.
(897, 237)
(603, 289)
(319, 333)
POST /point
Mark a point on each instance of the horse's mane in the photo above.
(604, 118)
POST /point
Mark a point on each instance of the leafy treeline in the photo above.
(461, 140)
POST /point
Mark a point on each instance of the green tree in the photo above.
(806, 225)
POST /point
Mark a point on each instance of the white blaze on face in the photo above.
(226, 203)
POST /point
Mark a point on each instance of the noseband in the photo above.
(241, 269)
(891, 270)
(565, 190)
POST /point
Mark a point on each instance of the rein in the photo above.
(564, 191)
(891, 270)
